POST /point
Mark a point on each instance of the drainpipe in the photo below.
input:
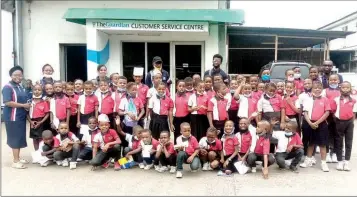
(17, 34)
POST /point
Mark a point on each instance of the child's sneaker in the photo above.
(148, 166)
(340, 166)
(205, 166)
(59, 163)
(141, 165)
(324, 166)
(65, 163)
(116, 166)
(334, 158)
(173, 169)
(164, 169)
(157, 168)
(105, 165)
(346, 166)
(45, 164)
(112, 161)
(209, 167)
(317, 150)
(328, 158)
(306, 163)
(79, 160)
(254, 169)
(313, 160)
(72, 165)
(178, 174)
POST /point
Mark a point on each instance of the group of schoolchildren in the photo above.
(215, 125)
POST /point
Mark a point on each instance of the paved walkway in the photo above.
(55, 180)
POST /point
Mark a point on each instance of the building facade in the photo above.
(344, 50)
(122, 35)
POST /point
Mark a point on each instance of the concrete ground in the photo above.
(55, 180)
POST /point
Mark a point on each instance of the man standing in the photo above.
(217, 61)
(157, 64)
(327, 68)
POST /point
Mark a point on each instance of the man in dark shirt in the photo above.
(217, 61)
(327, 68)
(157, 63)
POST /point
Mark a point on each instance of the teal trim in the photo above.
(80, 15)
(99, 57)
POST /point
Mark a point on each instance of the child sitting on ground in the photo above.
(262, 149)
(289, 146)
(106, 144)
(47, 147)
(133, 149)
(188, 149)
(86, 152)
(166, 153)
(210, 150)
(148, 148)
(68, 148)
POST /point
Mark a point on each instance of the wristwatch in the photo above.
(229, 159)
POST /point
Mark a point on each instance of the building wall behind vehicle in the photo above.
(348, 42)
(7, 60)
(44, 29)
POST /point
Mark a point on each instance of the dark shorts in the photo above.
(36, 133)
(16, 134)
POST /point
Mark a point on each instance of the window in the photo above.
(133, 56)
(278, 70)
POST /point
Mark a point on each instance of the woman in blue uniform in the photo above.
(15, 110)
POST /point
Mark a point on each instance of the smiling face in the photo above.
(49, 89)
(17, 76)
(316, 89)
(104, 126)
(289, 88)
(333, 80)
(88, 89)
(247, 89)
(253, 81)
(102, 72)
(92, 123)
(78, 85)
(161, 89)
(261, 87)
(228, 127)
(233, 84)
(47, 70)
(243, 124)
(208, 83)
(270, 91)
(313, 73)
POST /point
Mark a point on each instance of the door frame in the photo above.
(63, 58)
(173, 60)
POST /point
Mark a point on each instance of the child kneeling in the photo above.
(166, 153)
(289, 146)
(210, 150)
(262, 149)
(106, 145)
(48, 145)
(69, 147)
(188, 148)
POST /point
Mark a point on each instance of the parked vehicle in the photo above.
(278, 68)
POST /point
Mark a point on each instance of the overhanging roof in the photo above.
(80, 15)
(288, 32)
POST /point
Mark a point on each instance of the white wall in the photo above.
(7, 60)
(348, 42)
(44, 29)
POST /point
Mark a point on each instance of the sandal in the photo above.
(24, 161)
(18, 165)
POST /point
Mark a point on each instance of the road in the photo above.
(60, 181)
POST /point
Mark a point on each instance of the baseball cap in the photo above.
(157, 59)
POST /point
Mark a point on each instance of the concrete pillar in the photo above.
(97, 50)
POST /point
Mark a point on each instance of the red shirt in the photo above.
(189, 93)
(288, 109)
(316, 107)
(107, 104)
(170, 148)
(39, 109)
(295, 140)
(117, 97)
(299, 84)
(234, 104)
(192, 145)
(229, 144)
(73, 100)
(109, 136)
(263, 146)
(331, 94)
(218, 108)
(94, 132)
(142, 92)
(161, 106)
(181, 105)
(216, 146)
(135, 144)
(55, 143)
(257, 94)
(210, 94)
(88, 103)
(61, 106)
(245, 142)
(345, 108)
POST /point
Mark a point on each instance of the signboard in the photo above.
(126, 25)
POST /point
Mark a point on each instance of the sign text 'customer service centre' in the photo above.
(151, 25)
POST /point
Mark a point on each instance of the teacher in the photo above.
(217, 61)
(157, 64)
(15, 100)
